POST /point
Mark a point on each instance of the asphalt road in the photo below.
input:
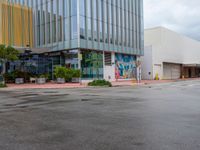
(157, 117)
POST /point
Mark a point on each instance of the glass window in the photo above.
(65, 5)
(74, 27)
(82, 7)
(66, 29)
(101, 31)
(94, 9)
(89, 7)
(92, 64)
(89, 32)
(82, 28)
(95, 30)
(74, 7)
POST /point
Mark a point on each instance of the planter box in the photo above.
(19, 80)
(60, 80)
(76, 80)
(41, 80)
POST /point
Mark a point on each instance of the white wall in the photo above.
(109, 71)
(147, 68)
(171, 47)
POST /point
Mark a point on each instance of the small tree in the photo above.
(7, 54)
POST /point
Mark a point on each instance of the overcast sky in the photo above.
(182, 16)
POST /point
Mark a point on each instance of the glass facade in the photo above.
(88, 28)
(109, 25)
(34, 64)
(92, 64)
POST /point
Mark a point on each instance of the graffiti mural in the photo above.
(125, 66)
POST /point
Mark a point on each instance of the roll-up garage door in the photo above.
(171, 71)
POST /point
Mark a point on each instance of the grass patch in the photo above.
(100, 83)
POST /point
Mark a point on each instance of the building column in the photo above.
(80, 57)
(109, 70)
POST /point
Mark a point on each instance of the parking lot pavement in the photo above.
(150, 117)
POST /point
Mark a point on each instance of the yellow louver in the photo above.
(16, 25)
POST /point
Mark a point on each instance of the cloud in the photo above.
(182, 16)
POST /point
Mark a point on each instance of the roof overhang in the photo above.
(33, 50)
(191, 65)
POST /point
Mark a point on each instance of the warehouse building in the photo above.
(170, 55)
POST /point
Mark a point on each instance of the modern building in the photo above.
(170, 55)
(103, 38)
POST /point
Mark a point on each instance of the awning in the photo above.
(191, 65)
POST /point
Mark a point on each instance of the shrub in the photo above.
(60, 72)
(2, 85)
(76, 74)
(69, 74)
(66, 73)
(100, 83)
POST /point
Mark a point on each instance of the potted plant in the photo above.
(19, 77)
(60, 74)
(42, 79)
(76, 76)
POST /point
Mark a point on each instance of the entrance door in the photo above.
(190, 72)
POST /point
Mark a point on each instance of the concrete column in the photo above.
(109, 71)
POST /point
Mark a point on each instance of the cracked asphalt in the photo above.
(150, 117)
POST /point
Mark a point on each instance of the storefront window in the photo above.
(92, 64)
(71, 59)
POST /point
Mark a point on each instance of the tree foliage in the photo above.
(8, 53)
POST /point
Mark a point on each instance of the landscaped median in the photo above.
(100, 83)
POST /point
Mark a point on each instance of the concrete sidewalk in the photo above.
(146, 82)
(44, 86)
(143, 82)
(78, 85)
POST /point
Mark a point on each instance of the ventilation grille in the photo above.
(108, 59)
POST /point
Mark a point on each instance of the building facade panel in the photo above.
(116, 25)
(16, 24)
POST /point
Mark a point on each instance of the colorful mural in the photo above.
(125, 67)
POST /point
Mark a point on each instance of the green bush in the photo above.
(76, 74)
(67, 73)
(2, 85)
(60, 72)
(100, 83)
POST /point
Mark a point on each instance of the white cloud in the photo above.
(182, 16)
